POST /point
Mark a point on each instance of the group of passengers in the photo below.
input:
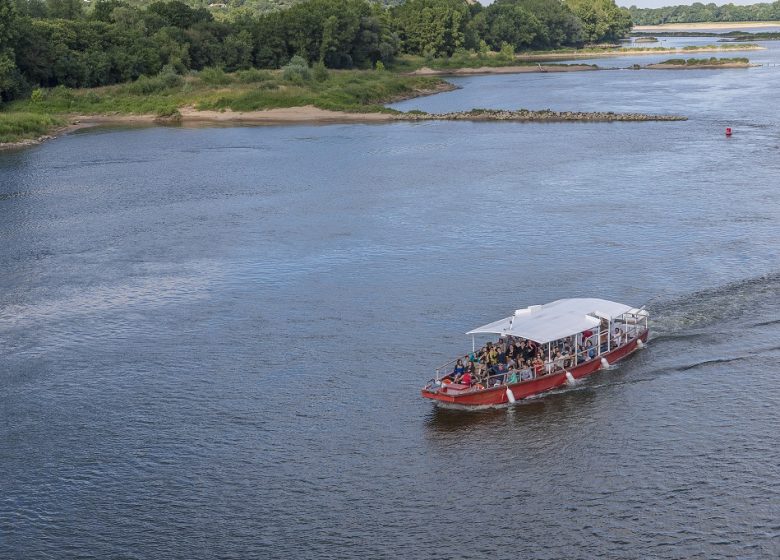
(514, 359)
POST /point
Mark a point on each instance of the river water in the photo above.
(212, 340)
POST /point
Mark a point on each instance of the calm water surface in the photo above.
(212, 340)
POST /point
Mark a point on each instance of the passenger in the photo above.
(567, 357)
(617, 339)
(512, 376)
(466, 379)
(492, 357)
(502, 356)
(590, 349)
(558, 360)
(538, 366)
(526, 374)
(459, 369)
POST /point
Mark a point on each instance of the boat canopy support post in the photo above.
(473, 344)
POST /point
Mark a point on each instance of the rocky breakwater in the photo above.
(546, 115)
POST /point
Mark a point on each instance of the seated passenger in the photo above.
(538, 366)
(459, 369)
(466, 379)
(617, 339)
(590, 349)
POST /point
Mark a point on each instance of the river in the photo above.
(212, 340)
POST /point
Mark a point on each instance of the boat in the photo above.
(589, 334)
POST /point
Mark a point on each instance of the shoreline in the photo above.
(309, 114)
(426, 71)
(666, 66)
(707, 25)
(629, 52)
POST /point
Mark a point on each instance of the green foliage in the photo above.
(379, 66)
(214, 77)
(320, 72)
(507, 51)
(699, 12)
(20, 126)
(296, 71)
(431, 27)
(253, 76)
(149, 45)
(146, 85)
(602, 20)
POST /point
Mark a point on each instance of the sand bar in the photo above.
(425, 71)
(706, 25)
(631, 52)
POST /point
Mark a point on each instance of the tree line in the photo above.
(48, 43)
(698, 13)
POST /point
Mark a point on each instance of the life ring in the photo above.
(446, 381)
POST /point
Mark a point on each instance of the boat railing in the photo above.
(445, 366)
(630, 333)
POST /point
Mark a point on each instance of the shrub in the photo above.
(146, 85)
(214, 77)
(380, 66)
(296, 71)
(253, 76)
(321, 74)
(507, 51)
(37, 95)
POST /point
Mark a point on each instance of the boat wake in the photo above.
(691, 315)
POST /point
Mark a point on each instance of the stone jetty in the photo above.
(545, 115)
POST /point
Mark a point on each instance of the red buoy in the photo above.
(728, 131)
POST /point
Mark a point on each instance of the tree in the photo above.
(601, 20)
(433, 26)
(65, 9)
(10, 78)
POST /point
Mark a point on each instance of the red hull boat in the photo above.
(556, 323)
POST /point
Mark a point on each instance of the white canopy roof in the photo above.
(556, 320)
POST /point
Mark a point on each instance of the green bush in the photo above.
(321, 73)
(296, 71)
(145, 85)
(214, 77)
(507, 51)
(253, 76)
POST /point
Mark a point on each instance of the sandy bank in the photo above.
(425, 71)
(706, 25)
(628, 52)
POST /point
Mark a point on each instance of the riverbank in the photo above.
(511, 69)
(592, 53)
(707, 25)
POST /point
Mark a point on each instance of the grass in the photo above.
(249, 90)
(346, 90)
(712, 61)
(23, 126)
